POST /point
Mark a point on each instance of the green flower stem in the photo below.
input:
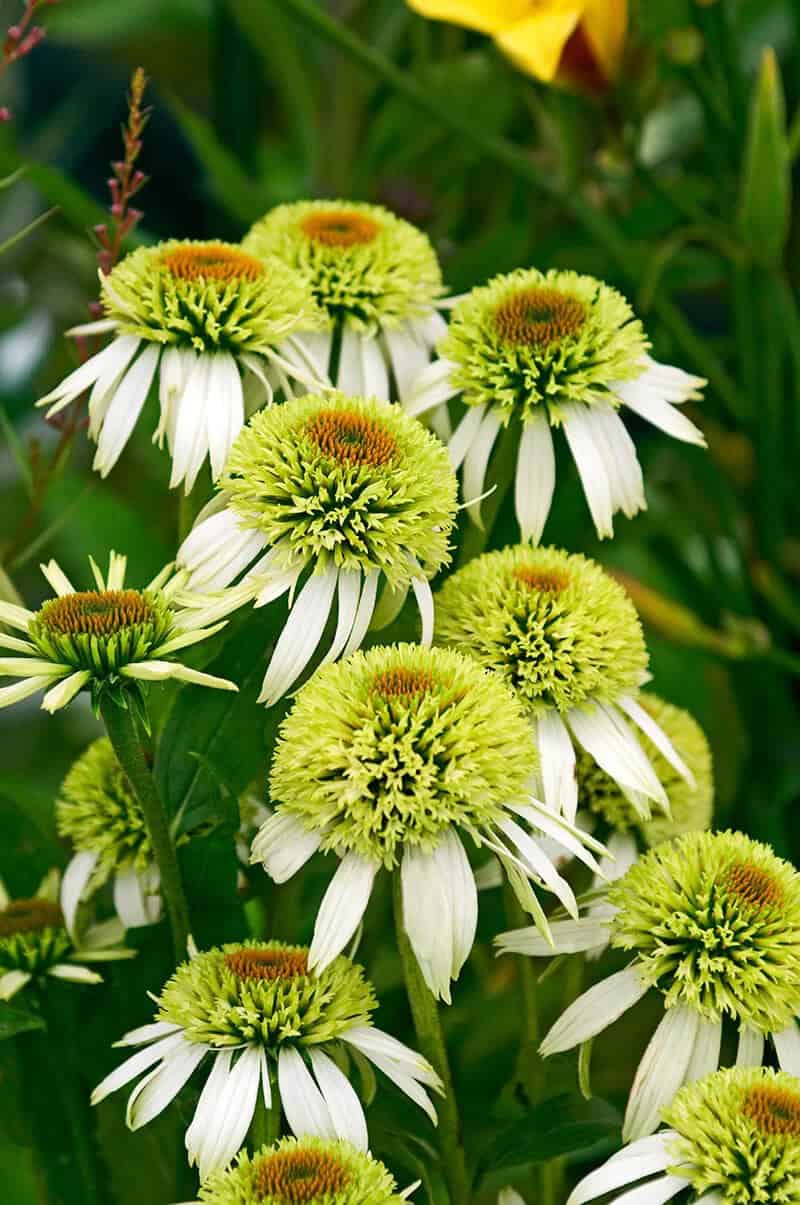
(265, 1128)
(123, 733)
(601, 228)
(428, 1028)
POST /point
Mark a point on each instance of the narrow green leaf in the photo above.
(19, 235)
(17, 450)
(564, 1125)
(14, 1020)
(765, 204)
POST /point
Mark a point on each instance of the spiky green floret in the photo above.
(381, 281)
(344, 481)
(98, 811)
(558, 628)
(249, 310)
(393, 746)
(577, 361)
(740, 1136)
(101, 631)
(32, 936)
(715, 921)
(216, 1005)
(691, 807)
(294, 1169)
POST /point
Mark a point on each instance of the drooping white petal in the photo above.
(225, 411)
(191, 439)
(147, 1033)
(342, 909)
(221, 1125)
(204, 542)
(656, 734)
(201, 1132)
(343, 1104)
(750, 1050)
(569, 937)
(12, 982)
(590, 465)
(615, 747)
(595, 1010)
(317, 346)
(347, 596)
(465, 434)
(705, 1054)
(173, 372)
(424, 596)
(74, 974)
(535, 478)
(648, 396)
(640, 1161)
(536, 863)
(578, 841)
(124, 410)
(77, 874)
(409, 355)
(557, 764)
(115, 357)
(432, 387)
(283, 845)
(409, 1083)
(460, 882)
(476, 463)
(661, 1071)
(366, 607)
(787, 1048)
(618, 454)
(158, 1089)
(137, 1063)
(362, 368)
(301, 634)
(428, 917)
(375, 1043)
(303, 1104)
(129, 900)
(654, 1192)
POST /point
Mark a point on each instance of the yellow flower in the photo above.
(570, 41)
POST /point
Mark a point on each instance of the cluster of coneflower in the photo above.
(314, 370)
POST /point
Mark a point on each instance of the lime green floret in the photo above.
(207, 296)
(32, 936)
(101, 630)
(715, 921)
(555, 625)
(360, 262)
(394, 746)
(344, 481)
(534, 338)
(98, 811)
(740, 1136)
(263, 992)
(313, 1171)
(691, 807)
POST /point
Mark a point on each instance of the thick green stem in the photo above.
(124, 735)
(428, 1028)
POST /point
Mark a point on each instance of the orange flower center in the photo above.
(268, 964)
(99, 613)
(774, 1110)
(30, 916)
(552, 582)
(752, 886)
(212, 261)
(538, 317)
(339, 228)
(398, 683)
(351, 438)
(298, 1176)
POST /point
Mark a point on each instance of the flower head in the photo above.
(255, 1010)
(304, 1171)
(384, 760)
(732, 1139)
(202, 315)
(98, 812)
(107, 639)
(713, 923)
(568, 640)
(34, 942)
(547, 350)
(352, 491)
(373, 275)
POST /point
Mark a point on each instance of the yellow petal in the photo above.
(487, 16)
(536, 43)
(605, 23)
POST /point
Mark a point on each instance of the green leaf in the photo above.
(14, 1020)
(564, 1125)
(765, 199)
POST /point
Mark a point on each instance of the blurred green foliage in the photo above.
(676, 187)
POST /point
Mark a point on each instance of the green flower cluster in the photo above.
(97, 810)
(101, 630)
(32, 936)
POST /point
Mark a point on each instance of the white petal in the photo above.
(12, 982)
(565, 835)
(595, 1010)
(226, 1116)
(158, 1089)
(343, 1104)
(618, 453)
(342, 908)
(557, 764)
(654, 1192)
(460, 882)
(366, 607)
(661, 1072)
(591, 468)
(656, 1156)
(705, 1055)
(161, 671)
(646, 397)
(347, 597)
(465, 434)
(362, 370)
(147, 1033)
(656, 734)
(100, 327)
(303, 1104)
(16, 645)
(787, 1048)
(191, 439)
(173, 372)
(76, 876)
(317, 345)
(74, 974)
(30, 667)
(136, 1064)
(125, 408)
(427, 918)
(750, 1050)
(116, 357)
(614, 746)
(406, 1083)
(569, 937)
(65, 691)
(22, 690)
(536, 863)
(201, 1133)
(58, 579)
(225, 411)
(283, 845)
(432, 387)
(424, 596)
(129, 900)
(409, 356)
(14, 616)
(476, 463)
(535, 478)
(300, 636)
(374, 1043)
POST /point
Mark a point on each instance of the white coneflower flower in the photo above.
(34, 942)
(567, 638)
(221, 331)
(378, 280)
(389, 759)
(326, 498)
(98, 811)
(304, 1171)
(262, 1022)
(547, 350)
(108, 639)
(713, 921)
(733, 1139)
